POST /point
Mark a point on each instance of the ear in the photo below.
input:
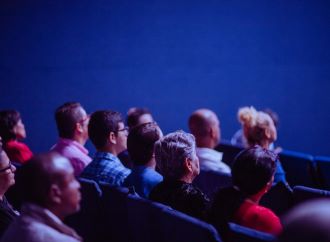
(79, 128)
(55, 194)
(268, 133)
(188, 164)
(112, 138)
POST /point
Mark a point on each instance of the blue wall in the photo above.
(170, 56)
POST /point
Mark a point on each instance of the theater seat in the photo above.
(302, 194)
(323, 171)
(239, 233)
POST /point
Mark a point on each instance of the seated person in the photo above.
(135, 117)
(252, 174)
(72, 125)
(205, 126)
(307, 222)
(7, 179)
(178, 163)
(140, 146)
(109, 135)
(12, 130)
(49, 192)
(259, 129)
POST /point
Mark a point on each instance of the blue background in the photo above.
(172, 57)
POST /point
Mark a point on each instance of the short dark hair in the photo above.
(133, 116)
(253, 168)
(140, 142)
(36, 177)
(66, 116)
(8, 120)
(100, 125)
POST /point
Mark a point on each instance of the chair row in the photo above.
(301, 169)
(113, 214)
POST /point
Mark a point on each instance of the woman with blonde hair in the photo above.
(259, 129)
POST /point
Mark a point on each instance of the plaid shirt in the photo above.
(107, 168)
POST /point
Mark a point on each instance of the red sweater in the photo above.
(18, 151)
(253, 216)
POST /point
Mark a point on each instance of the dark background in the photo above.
(171, 56)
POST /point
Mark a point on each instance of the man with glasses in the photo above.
(109, 135)
(72, 125)
(7, 179)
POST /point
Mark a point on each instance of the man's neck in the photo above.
(108, 149)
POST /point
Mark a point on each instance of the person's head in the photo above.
(140, 142)
(107, 131)
(176, 156)
(7, 170)
(253, 170)
(258, 127)
(137, 116)
(11, 125)
(205, 126)
(48, 180)
(308, 222)
(72, 121)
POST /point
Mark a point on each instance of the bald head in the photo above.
(205, 126)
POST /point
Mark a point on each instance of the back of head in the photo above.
(171, 152)
(253, 168)
(308, 222)
(100, 125)
(36, 177)
(200, 124)
(255, 125)
(8, 120)
(140, 142)
(66, 117)
(134, 117)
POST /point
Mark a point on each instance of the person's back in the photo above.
(140, 145)
(177, 161)
(205, 126)
(253, 174)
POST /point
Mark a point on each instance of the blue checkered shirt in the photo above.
(106, 167)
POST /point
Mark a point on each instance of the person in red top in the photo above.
(12, 130)
(252, 175)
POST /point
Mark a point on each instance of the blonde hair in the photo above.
(254, 124)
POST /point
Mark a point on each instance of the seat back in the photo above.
(278, 198)
(302, 194)
(85, 222)
(239, 233)
(323, 171)
(210, 181)
(114, 213)
(299, 168)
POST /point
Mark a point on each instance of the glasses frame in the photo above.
(7, 168)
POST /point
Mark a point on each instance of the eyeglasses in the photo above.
(123, 129)
(8, 167)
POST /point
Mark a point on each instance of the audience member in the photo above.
(178, 163)
(7, 179)
(135, 117)
(205, 126)
(259, 129)
(72, 125)
(49, 192)
(140, 146)
(109, 135)
(308, 222)
(253, 174)
(12, 130)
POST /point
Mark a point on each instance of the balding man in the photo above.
(50, 192)
(205, 126)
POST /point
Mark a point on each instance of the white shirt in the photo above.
(210, 160)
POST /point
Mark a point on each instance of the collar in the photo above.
(71, 142)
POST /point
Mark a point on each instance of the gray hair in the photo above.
(171, 152)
